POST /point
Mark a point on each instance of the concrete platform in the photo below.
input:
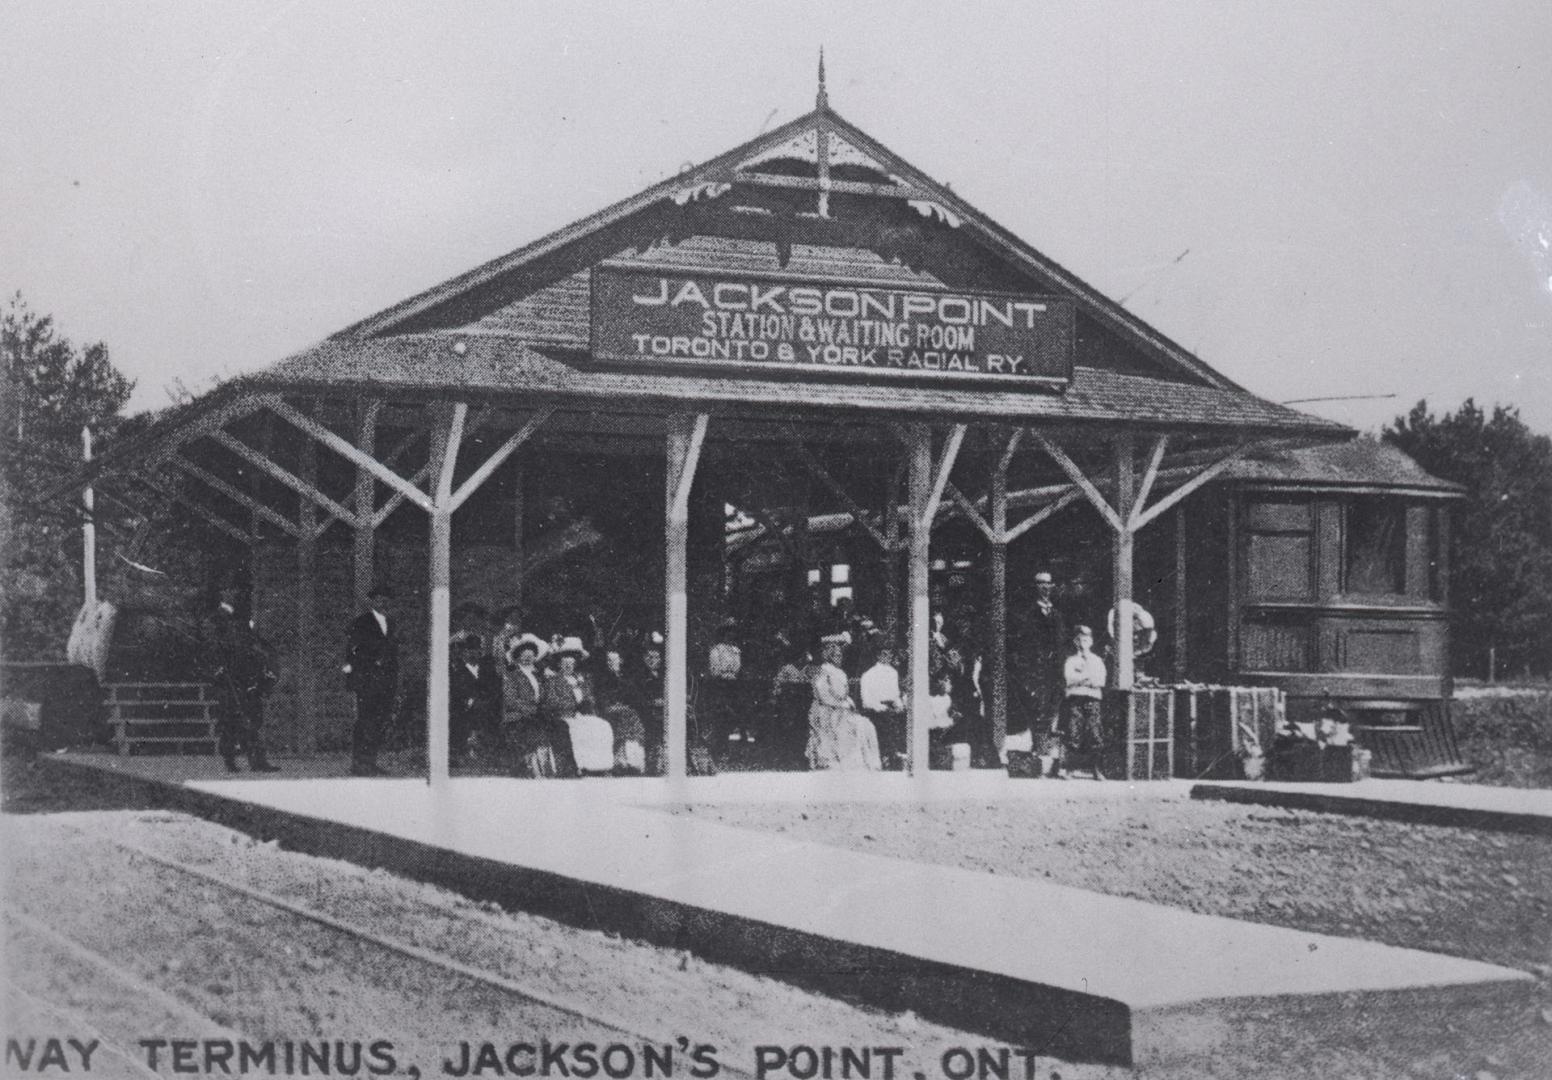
(1065, 972)
(1425, 802)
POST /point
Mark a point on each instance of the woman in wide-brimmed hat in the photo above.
(525, 734)
(839, 737)
(568, 707)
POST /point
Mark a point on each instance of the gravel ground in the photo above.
(241, 965)
(199, 961)
(217, 962)
(1486, 896)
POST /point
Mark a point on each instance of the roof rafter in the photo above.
(237, 495)
(285, 476)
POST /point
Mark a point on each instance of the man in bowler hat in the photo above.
(372, 673)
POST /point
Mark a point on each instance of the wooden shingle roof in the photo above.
(498, 365)
(516, 329)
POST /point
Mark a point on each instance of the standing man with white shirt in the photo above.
(372, 673)
(882, 703)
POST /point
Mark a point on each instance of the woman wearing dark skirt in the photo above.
(1083, 733)
(613, 694)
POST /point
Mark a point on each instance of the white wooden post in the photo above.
(1125, 491)
(365, 498)
(919, 438)
(998, 586)
(309, 670)
(446, 439)
(684, 444)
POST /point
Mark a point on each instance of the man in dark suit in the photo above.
(242, 675)
(372, 673)
(474, 696)
(1044, 643)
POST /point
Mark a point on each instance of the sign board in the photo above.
(731, 323)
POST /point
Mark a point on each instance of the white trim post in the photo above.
(1125, 490)
(365, 533)
(919, 442)
(997, 566)
(685, 438)
(445, 440)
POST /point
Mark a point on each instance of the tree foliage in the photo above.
(52, 390)
(1501, 578)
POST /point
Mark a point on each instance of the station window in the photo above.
(839, 594)
(1375, 547)
(840, 574)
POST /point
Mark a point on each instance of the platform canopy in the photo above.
(808, 288)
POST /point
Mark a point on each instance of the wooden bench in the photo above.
(180, 716)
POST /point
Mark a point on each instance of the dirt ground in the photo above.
(223, 965)
(196, 960)
(1485, 896)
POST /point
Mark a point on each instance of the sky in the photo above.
(1320, 199)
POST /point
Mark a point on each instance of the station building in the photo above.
(804, 367)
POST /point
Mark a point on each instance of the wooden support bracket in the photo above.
(285, 476)
(349, 452)
(1075, 474)
(200, 510)
(858, 513)
(1160, 445)
(680, 511)
(965, 505)
(1066, 499)
(236, 494)
(945, 465)
(212, 421)
(504, 451)
(1206, 475)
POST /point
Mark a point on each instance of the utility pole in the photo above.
(88, 530)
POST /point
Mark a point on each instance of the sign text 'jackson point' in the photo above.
(714, 320)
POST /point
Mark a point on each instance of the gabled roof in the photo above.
(832, 142)
(517, 325)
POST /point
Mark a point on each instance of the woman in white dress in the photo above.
(567, 703)
(839, 737)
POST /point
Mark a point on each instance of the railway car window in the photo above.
(1436, 574)
(1280, 538)
(1376, 547)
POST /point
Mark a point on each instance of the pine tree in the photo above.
(1501, 580)
(51, 391)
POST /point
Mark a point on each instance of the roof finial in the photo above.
(821, 99)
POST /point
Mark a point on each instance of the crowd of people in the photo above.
(824, 694)
(836, 702)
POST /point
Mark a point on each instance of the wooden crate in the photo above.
(1149, 714)
(1209, 736)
